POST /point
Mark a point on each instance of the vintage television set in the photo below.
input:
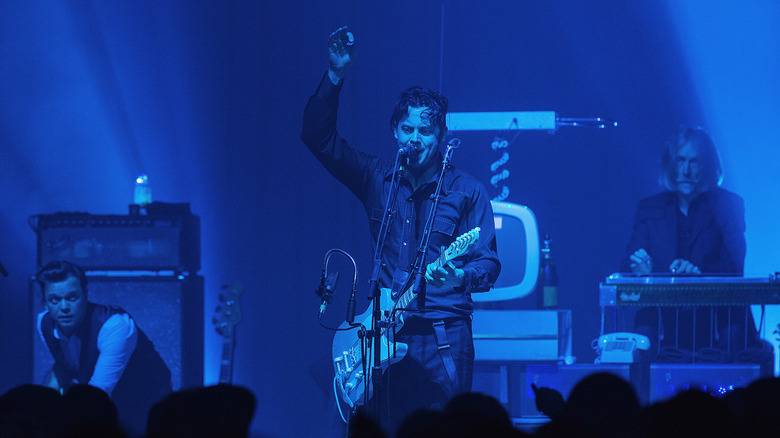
(517, 237)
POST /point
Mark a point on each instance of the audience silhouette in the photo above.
(601, 405)
(87, 411)
(221, 411)
(755, 408)
(689, 413)
(605, 405)
(30, 411)
(480, 415)
(428, 423)
(36, 411)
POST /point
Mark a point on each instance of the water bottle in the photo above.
(547, 295)
(143, 191)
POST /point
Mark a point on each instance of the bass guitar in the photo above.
(350, 380)
(225, 322)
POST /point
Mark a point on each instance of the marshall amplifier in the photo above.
(118, 242)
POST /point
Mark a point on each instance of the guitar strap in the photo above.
(440, 333)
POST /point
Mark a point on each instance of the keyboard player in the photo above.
(692, 227)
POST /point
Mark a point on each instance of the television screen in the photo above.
(517, 237)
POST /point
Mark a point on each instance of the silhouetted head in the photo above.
(428, 423)
(692, 413)
(602, 404)
(88, 411)
(30, 410)
(756, 407)
(221, 410)
(479, 415)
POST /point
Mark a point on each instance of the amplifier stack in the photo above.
(146, 264)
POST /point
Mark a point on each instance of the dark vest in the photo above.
(146, 378)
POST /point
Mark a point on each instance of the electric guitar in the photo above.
(229, 315)
(350, 381)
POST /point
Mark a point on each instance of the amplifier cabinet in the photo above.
(668, 380)
(118, 242)
(522, 335)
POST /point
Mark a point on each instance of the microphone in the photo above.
(351, 305)
(326, 291)
(408, 151)
(454, 143)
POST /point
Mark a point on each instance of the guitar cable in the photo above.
(325, 292)
(328, 284)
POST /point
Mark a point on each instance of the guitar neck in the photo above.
(406, 299)
(226, 364)
(456, 249)
(229, 317)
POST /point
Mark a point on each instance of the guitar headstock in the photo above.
(461, 245)
(228, 311)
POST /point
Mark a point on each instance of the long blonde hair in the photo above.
(711, 170)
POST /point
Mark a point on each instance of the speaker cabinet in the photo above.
(668, 380)
(510, 381)
(168, 309)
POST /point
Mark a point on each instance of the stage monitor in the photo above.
(517, 237)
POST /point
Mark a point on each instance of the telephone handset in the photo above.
(614, 340)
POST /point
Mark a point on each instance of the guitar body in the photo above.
(350, 380)
(347, 355)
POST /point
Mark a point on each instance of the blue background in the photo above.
(206, 97)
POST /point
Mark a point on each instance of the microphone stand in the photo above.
(374, 293)
(419, 264)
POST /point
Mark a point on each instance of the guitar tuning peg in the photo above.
(221, 298)
(218, 309)
(215, 321)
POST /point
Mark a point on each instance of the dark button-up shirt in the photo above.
(711, 236)
(464, 205)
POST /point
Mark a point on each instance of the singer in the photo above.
(418, 123)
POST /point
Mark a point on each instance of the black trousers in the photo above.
(420, 379)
